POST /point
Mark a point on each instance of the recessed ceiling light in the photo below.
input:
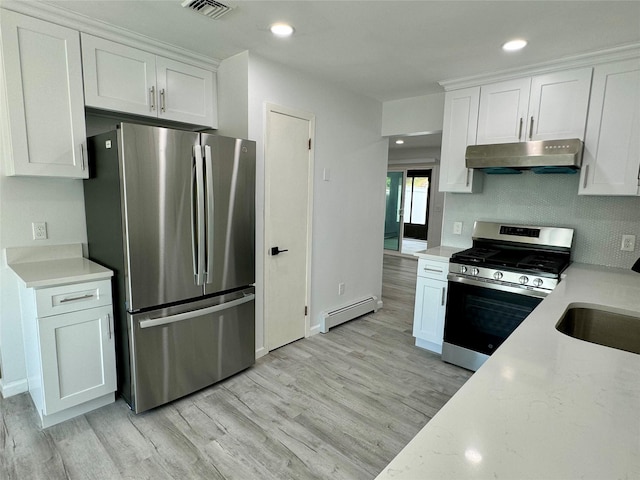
(399, 142)
(514, 45)
(281, 29)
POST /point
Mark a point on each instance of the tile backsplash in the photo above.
(549, 200)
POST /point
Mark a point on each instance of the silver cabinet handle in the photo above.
(199, 221)
(520, 129)
(162, 101)
(155, 322)
(586, 176)
(152, 95)
(109, 324)
(468, 174)
(73, 299)
(531, 129)
(208, 173)
(426, 269)
(82, 156)
(444, 291)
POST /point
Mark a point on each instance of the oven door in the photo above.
(480, 316)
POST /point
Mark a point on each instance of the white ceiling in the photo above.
(383, 49)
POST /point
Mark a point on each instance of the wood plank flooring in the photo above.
(338, 406)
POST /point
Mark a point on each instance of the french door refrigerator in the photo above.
(172, 213)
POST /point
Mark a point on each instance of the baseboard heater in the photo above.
(348, 312)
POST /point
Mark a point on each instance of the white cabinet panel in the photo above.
(185, 92)
(430, 304)
(117, 77)
(503, 108)
(611, 161)
(545, 107)
(558, 105)
(459, 130)
(44, 106)
(78, 357)
(124, 79)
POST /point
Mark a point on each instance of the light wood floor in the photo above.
(334, 406)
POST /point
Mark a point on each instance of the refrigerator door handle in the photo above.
(156, 322)
(200, 228)
(210, 204)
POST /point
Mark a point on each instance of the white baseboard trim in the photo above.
(9, 389)
(427, 345)
(261, 352)
(314, 330)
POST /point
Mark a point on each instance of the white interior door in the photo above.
(287, 226)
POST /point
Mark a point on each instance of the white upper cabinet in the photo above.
(125, 79)
(43, 123)
(611, 159)
(545, 107)
(458, 131)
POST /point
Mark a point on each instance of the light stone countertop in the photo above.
(438, 254)
(545, 405)
(41, 267)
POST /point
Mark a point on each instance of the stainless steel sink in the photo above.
(604, 328)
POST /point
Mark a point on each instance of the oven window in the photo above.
(480, 319)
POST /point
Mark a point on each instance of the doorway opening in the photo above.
(407, 210)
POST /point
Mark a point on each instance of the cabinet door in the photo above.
(78, 357)
(118, 78)
(558, 105)
(459, 130)
(503, 111)
(429, 310)
(185, 92)
(611, 160)
(45, 129)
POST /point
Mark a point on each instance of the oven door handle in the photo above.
(497, 286)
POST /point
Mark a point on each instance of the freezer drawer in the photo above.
(179, 350)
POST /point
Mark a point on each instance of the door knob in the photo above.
(276, 251)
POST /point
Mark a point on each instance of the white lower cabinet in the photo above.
(70, 350)
(430, 304)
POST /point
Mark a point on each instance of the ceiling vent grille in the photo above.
(210, 8)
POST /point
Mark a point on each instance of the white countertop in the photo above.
(545, 405)
(438, 254)
(56, 265)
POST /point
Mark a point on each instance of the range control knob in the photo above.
(463, 269)
(523, 280)
(497, 275)
(537, 282)
(475, 271)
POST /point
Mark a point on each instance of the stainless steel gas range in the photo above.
(496, 284)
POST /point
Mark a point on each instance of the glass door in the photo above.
(416, 211)
(393, 211)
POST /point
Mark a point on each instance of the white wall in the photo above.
(233, 82)
(60, 203)
(422, 114)
(348, 210)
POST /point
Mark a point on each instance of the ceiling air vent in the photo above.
(210, 8)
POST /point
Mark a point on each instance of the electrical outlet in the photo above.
(457, 228)
(39, 230)
(628, 243)
(341, 289)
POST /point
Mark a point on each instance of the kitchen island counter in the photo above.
(545, 405)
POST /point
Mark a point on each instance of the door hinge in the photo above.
(309, 144)
(306, 310)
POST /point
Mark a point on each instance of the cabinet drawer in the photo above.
(71, 298)
(433, 269)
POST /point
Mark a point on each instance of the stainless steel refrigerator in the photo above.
(172, 213)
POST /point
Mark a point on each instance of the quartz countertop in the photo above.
(438, 254)
(57, 265)
(545, 405)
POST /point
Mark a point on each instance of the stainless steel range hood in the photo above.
(546, 156)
